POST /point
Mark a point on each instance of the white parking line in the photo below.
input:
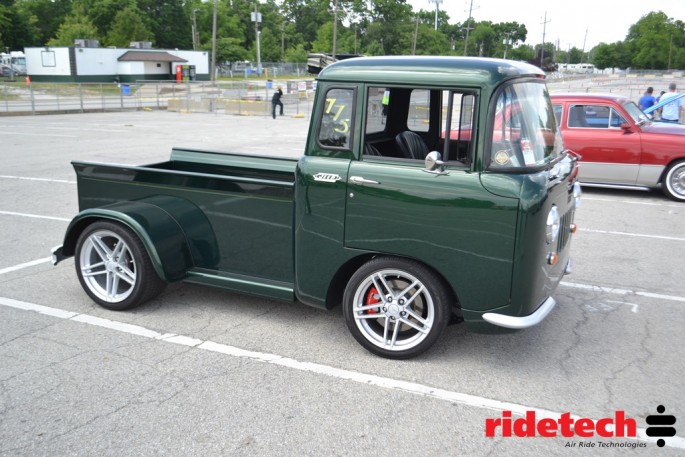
(324, 370)
(39, 134)
(632, 202)
(35, 216)
(616, 291)
(640, 235)
(23, 178)
(25, 265)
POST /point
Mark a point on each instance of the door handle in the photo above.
(360, 180)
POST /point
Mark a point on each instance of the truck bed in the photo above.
(247, 202)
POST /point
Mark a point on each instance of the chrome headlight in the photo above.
(577, 192)
(553, 224)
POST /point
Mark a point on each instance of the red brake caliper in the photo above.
(372, 298)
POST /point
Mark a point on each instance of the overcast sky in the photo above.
(605, 21)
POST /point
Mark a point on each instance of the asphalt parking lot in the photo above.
(202, 371)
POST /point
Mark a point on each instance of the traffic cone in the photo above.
(28, 79)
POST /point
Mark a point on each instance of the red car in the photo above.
(620, 146)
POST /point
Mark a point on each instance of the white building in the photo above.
(93, 64)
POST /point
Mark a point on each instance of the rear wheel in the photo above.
(114, 268)
(674, 182)
(396, 308)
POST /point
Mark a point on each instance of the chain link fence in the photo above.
(249, 97)
(252, 96)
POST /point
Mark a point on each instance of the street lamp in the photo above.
(437, 8)
(213, 76)
(507, 42)
(256, 17)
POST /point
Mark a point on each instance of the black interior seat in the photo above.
(411, 145)
(371, 150)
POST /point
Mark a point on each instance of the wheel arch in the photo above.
(664, 174)
(162, 246)
(668, 166)
(342, 277)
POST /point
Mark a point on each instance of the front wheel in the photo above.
(674, 182)
(114, 268)
(396, 308)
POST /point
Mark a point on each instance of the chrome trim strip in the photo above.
(614, 186)
(502, 320)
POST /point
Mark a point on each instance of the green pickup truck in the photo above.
(432, 190)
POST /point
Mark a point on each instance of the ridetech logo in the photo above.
(618, 426)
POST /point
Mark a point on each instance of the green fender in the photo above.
(175, 233)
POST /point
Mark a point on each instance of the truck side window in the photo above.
(419, 110)
(335, 129)
(458, 131)
(376, 109)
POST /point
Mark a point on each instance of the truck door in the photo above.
(320, 188)
(447, 220)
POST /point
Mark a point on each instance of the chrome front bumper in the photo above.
(57, 254)
(518, 323)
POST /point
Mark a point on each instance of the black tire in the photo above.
(410, 319)
(114, 267)
(674, 182)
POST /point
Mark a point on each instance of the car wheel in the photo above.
(674, 182)
(114, 268)
(396, 308)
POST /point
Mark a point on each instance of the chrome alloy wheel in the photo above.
(393, 310)
(107, 266)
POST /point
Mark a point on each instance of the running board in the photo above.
(242, 283)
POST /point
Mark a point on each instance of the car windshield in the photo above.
(635, 112)
(524, 132)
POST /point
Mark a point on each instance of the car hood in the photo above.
(664, 128)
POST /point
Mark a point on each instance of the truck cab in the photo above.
(431, 190)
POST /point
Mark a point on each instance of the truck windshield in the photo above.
(524, 130)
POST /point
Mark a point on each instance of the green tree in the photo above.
(5, 23)
(16, 30)
(128, 26)
(101, 13)
(168, 22)
(296, 54)
(75, 26)
(524, 52)
(482, 40)
(44, 17)
(653, 38)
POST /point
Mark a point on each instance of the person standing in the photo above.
(647, 100)
(671, 111)
(276, 100)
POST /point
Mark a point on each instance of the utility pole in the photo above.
(542, 48)
(582, 54)
(468, 28)
(335, 27)
(213, 77)
(416, 34)
(437, 8)
(195, 33)
(355, 37)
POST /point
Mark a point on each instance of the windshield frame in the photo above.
(634, 111)
(544, 125)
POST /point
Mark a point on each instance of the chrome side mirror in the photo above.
(434, 164)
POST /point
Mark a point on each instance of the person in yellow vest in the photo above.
(385, 101)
